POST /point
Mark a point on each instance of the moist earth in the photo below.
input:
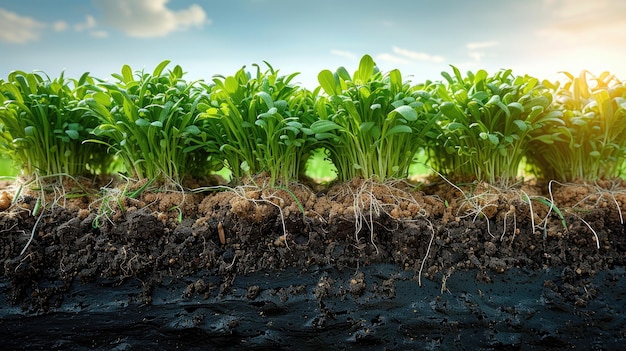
(399, 265)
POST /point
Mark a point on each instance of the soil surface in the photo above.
(396, 266)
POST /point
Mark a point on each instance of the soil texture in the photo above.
(392, 266)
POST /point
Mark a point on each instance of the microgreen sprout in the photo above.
(487, 123)
(151, 122)
(43, 125)
(589, 141)
(261, 123)
(372, 123)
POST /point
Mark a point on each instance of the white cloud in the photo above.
(345, 54)
(60, 26)
(404, 56)
(149, 18)
(475, 52)
(99, 33)
(18, 29)
(476, 55)
(420, 56)
(392, 59)
(481, 44)
(89, 23)
(591, 22)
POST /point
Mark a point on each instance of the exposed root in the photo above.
(593, 231)
(595, 197)
(258, 195)
(444, 280)
(509, 212)
(371, 199)
(32, 233)
(141, 194)
(363, 198)
(491, 201)
(430, 244)
(41, 185)
(103, 204)
(615, 189)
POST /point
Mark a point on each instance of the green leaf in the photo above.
(451, 110)
(267, 99)
(521, 125)
(457, 74)
(366, 69)
(343, 74)
(73, 134)
(160, 67)
(102, 98)
(231, 85)
(493, 139)
(178, 71)
(516, 106)
(323, 126)
(495, 100)
(192, 129)
(479, 96)
(474, 108)
(455, 125)
(127, 74)
(365, 127)
(261, 123)
(327, 81)
(29, 131)
(142, 122)
(325, 136)
(401, 128)
(407, 112)
(395, 79)
(546, 139)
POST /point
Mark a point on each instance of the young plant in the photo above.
(151, 123)
(43, 126)
(372, 123)
(589, 142)
(488, 123)
(261, 124)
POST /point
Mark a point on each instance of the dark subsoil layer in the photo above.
(422, 269)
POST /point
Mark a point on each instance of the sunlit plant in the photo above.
(150, 121)
(372, 123)
(488, 123)
(589, 143)
(43, 125)
(261, 123)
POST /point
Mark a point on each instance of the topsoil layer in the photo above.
(394, 265)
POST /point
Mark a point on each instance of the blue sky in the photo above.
(420, 37)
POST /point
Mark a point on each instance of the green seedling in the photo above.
(372, 124)
(151, 122)
(261, 123)
(487, 124)
(588, 142)
(43, 126)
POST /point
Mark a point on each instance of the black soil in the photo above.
(277, 276)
